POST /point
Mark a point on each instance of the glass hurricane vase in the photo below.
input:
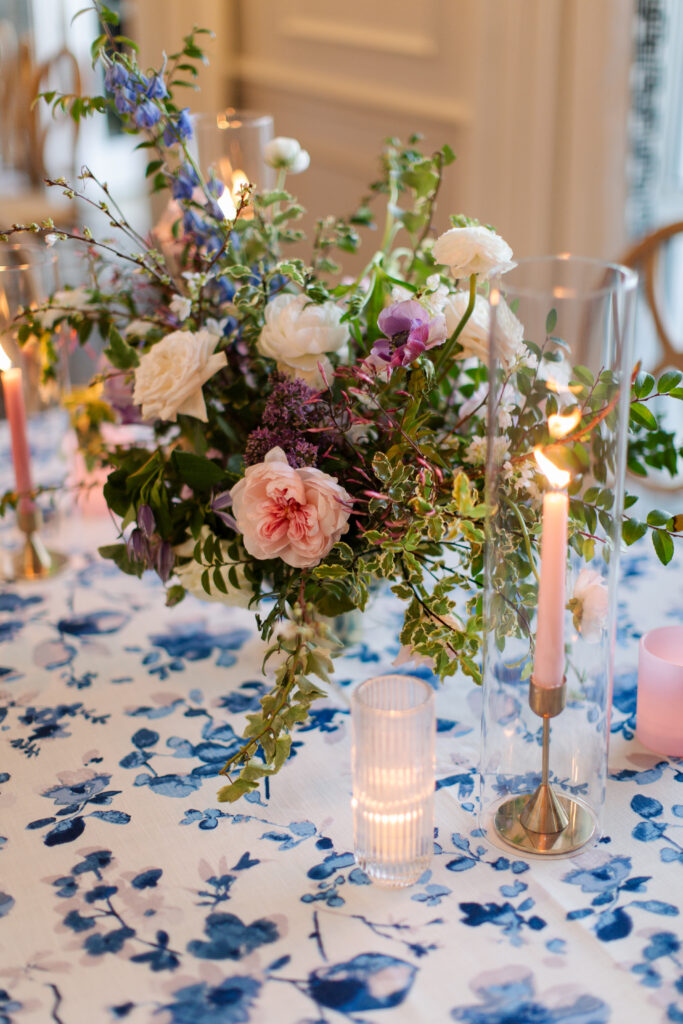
(557, 431)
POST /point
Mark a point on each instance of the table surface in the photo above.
(127, 892)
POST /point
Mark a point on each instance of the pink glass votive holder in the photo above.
(659, 713)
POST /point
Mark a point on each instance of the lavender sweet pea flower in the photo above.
(218, 504)
(409, 331)
(184, 182)
(146, 114)
(165, 560)
(178, 129)
(156, 88)
(146, 520)
(136, 546)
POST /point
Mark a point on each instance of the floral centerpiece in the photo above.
(310, 433)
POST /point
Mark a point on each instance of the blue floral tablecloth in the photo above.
(128, 893)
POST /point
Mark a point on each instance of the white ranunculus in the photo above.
(297, 333)
(473, 250)
(170, 376)
(286, 153)
(589, 604)
(190, 576)
(181, 307)
(474, 337)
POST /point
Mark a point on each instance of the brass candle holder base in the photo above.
(544, 822)
(33, 561)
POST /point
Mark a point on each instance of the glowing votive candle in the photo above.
(392, 758)
(13, 390)
(659, 712)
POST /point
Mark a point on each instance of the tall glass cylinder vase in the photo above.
(232, 143)
(559, 395)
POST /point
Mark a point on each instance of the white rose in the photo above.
(297, 333)
(190, 576)
(474, 337)
(473, 250)
(589, 604)
(181, 307)
(286, 153)
(170, 376)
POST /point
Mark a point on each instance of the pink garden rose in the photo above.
(293, 514)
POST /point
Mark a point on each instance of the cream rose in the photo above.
(474, 337)
(190, 576)
(170, 376)
(297, 333)
(473, 250)
(293, 514)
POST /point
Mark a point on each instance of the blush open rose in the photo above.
(293, 514)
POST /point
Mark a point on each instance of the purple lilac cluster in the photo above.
(291, 412)
(409, 331)
(146, 547)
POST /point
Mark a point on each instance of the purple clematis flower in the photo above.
(409, 331)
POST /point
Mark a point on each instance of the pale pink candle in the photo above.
(13, 390)
(659, 713)
(549, 659)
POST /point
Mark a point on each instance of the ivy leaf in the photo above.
(632, 530)
(197, 472)
(122, 355)
(663, 545)
(551, 321)
(644, 384)
(642, 416)
(668, 381)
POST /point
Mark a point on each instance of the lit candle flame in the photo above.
(559, 389)
(560, 425)
(556, 476)
(5, 361)
(229, 199)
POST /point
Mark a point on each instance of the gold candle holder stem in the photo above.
(543, 822)
(34, 561)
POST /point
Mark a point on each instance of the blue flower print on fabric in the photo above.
(228, 938)
(508, 997)
(7, 1007)
(76, 790)
(370, 981)
(50, 723)
(191, 641)
(611, 883)
(227, 1003)
(649, 829)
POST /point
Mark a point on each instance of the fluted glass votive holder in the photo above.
(392, 759)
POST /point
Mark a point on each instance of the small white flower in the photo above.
(524, 478)
(62, 303)
(589, 604)
(473, 250)
(474, 337)
(137, 329)
(181, 307)
(283, 152)
(190, 576)
(297, 333)
(170, 376)
(477, 448)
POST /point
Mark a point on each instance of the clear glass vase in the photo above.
(232, 143)
(555, 499)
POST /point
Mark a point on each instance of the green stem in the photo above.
(442, 365)
(527, 539)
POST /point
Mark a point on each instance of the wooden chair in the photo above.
(648, 257)
(26, 132)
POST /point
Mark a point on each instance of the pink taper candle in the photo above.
(549, 659)
(13, 390)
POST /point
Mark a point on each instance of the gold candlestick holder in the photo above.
(545, 822)
(34, 561)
